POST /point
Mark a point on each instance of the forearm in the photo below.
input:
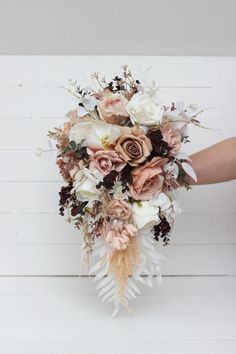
(216, 163)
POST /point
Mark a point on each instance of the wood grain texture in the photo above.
(33, 238)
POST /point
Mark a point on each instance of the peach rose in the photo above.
(173, 138)
(134, 147)
(118, 209)
(105, 161)
(148, 179)
(112, 109)
(119, 234)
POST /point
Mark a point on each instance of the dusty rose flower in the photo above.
(118, 209)
(112, 109)
(148, 179)
(134, 147)
(119, 234)
(105, 161)
(173, 138)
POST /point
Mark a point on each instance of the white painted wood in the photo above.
(33, 238)
(39, 101)
(54, 71)
(39, 126)
(42, 195)
(187, 315)
(52, 229)
(61, 259)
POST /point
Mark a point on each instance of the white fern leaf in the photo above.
(103, 282)
(112, 298)
(101, 251)
(128, 296)
(149, 281)
(140, 279)
(116, 309)
(102, 273)
(106, 288)
(130, 292)
(134, 286)
(109, 294)
(96, 267)
(146, 243)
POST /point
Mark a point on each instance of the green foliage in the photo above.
(79, 150)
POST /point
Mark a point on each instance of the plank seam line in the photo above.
(93, 276)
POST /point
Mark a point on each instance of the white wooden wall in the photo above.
(34, 239)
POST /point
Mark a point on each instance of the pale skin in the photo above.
(216, 163)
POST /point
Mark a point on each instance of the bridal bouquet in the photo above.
(120, 156)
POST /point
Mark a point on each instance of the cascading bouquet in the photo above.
(119, 153)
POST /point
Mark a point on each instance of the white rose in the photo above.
(94, 133)
(145, 214)
(85, 185)
(143, 110)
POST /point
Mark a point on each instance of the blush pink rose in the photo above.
(112, 109)
(119, 234)
(105, 161)
(118, 209)
(148, 179)
(173, 138)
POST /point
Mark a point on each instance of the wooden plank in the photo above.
(65, 260)
(64, 345)
(208, 228)
(27, 133)
(38, 229)
(32, 133)
(195, 287)
(29, 197)
(55, 102)
(43, 197)
(60, 315)
(218, 198)
(170, 71)
(28, 166)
